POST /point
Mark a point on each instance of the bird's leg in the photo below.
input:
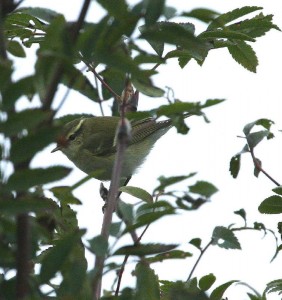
(104, 192)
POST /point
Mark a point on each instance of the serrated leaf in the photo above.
(244, 55)
(218, 293)
(255, 27)
(179, 35)
(206, 282)
(235, 164)
(225, 34)
(225, 238)
(203, 188)
(146, 277)
(271, 205)
(230, 16)
(24, 179)
(144, 249)
(16, 49)
(137, 192)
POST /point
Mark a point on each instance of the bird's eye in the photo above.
(72, 137)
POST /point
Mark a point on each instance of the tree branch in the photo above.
(23, 256)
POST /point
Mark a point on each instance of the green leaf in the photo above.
(271, 205)
(167, 181)
(242, 213)
(225, 238)
(44, 14)
(203, 188)
(266, 123)
(26, 204)
(181, 35)
(206, 282)
(278, 190)
(154, 10)
(211, 102)
(196, 242)
(144, 249)
(225, 34)
(244, 55)
(148, 218)
(16, 49)
(146, 87)
(126, 210)
(137, 192)
(218, 293)
(235, 164)
(174, 254)
(115, 229)
(26, 119)
(254, 138)
(230, 16)
(24, 179)
(54, 257)
(24, 149)
(20, 88)
(255, 27)
(202, 14)
(177, 108)
(115, 79)
(147, 284)
(273, 286)
(64, 195)
(98, 245)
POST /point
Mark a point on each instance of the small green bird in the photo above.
(90, 143)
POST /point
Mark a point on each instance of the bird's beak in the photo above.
(56, 149)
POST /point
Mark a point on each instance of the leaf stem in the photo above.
(199, 258)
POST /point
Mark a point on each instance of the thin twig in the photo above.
(93, 70)
(198, 260)
(259, 167)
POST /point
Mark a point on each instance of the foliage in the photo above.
(36, 230)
